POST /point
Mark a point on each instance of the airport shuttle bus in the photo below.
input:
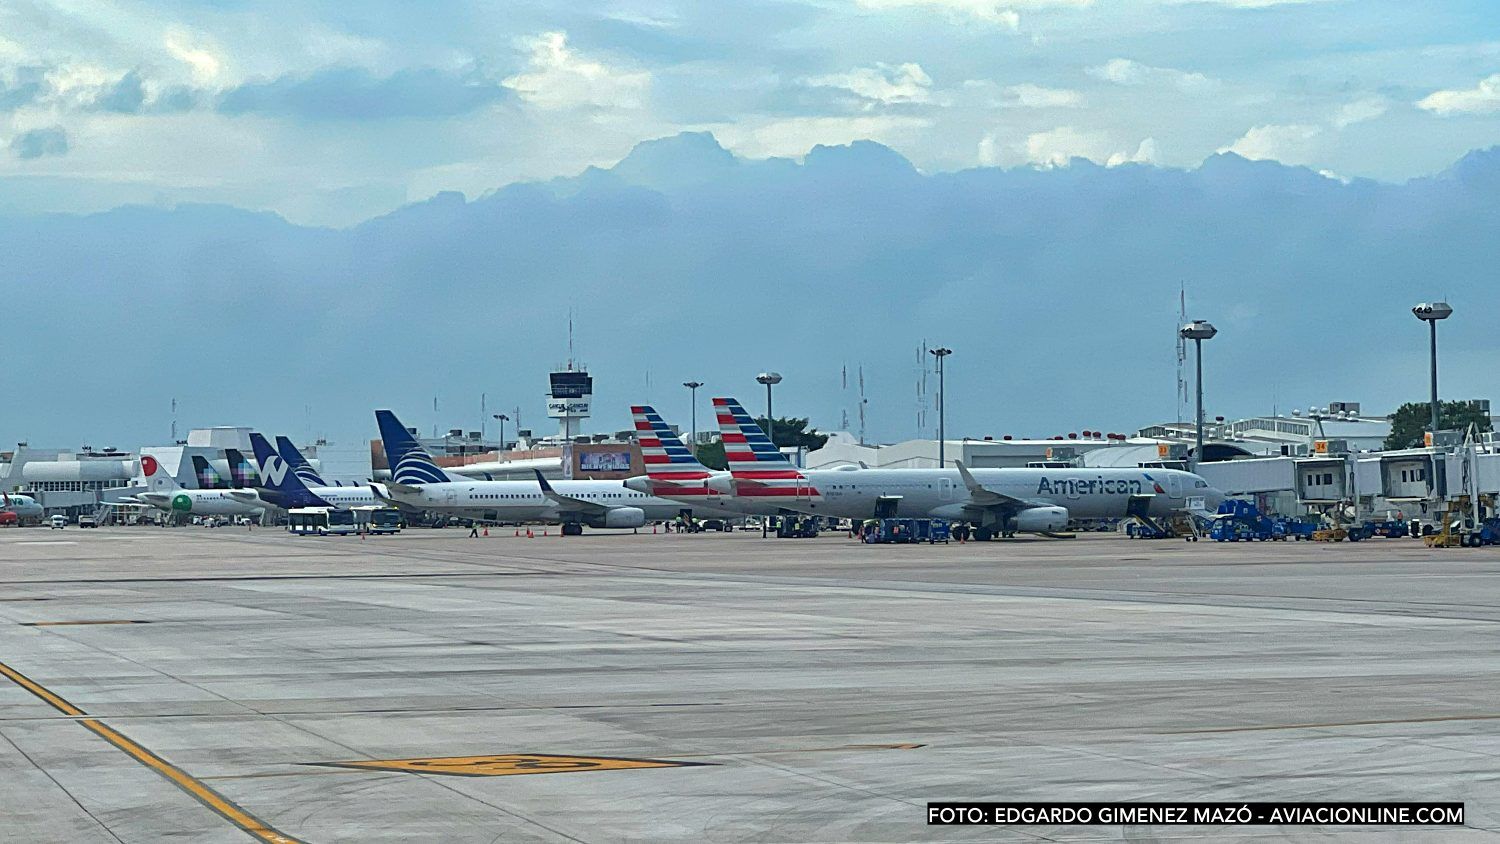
(322, 521)
(379, 520)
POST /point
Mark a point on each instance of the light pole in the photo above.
(770, 379)
(693, 388)
(502, 419)
(1430, 313)
(941, 353)
(1198, 331)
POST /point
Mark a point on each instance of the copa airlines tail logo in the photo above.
(413, 466)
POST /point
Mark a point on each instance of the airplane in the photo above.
(299, 464)
(164, 493)
(19, 509)
(672, 471)
(418, 482)
(1000, 502)
(282, 485)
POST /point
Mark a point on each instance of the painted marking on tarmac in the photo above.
(508, 764)
(842, 747)
(48, 542)
(1436, 719)
(68, 623)
(220, 804)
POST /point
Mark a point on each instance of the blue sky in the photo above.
(330, 113)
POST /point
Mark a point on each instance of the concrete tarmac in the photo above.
(226, 685)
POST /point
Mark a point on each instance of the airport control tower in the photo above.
(569, 399)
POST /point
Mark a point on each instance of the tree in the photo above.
(1411, 420)
(789, 431)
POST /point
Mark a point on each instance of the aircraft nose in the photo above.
(1213, 497)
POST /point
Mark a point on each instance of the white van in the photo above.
(58, 522)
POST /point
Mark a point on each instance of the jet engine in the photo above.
(1040, 520)
(620, 517)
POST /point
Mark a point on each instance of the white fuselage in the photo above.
(941, 493)
(24, 506)
(524, 501)
(203, 502)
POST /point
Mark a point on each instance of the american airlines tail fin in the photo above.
(208, 478)
(757, 466)
(410, 463)
(671, 469)
(280, 484)
(298, 463)
(242, 474)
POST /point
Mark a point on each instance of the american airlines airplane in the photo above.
(672, 471)
(418, 482)
(1000, 502)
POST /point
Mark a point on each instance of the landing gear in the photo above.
(572, 529)
(983, 534)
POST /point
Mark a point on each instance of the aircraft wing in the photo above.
(981, 497)
(568, 501)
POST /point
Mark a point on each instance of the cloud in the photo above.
(1250, 4)
(1287, 143)
(1131, 72)
(125, 96)
(987, 94)
(558, 77)
(793, 137)
(23, 87)
(988, 11)
(1035, 96)
(1359, 111)
(1058, 147)
(355, 94)
(1483, 98)
(883, 83)
(38, 143)
(203, 62)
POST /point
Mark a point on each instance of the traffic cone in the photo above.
(653, 528)
(486, 530)
(544, 531)
(528, 533)
(518, 531)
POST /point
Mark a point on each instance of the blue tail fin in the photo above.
(280, 485)
(409, 462)
(299, 464)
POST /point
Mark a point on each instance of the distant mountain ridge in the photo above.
(1058, 287)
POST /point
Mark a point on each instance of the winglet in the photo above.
(547, 489)
(963, 472)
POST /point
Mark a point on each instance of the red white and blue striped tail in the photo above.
(670, 466)
(759, 468)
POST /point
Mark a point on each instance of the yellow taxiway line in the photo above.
(220, 804)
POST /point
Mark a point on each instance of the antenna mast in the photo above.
(1182, 388)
